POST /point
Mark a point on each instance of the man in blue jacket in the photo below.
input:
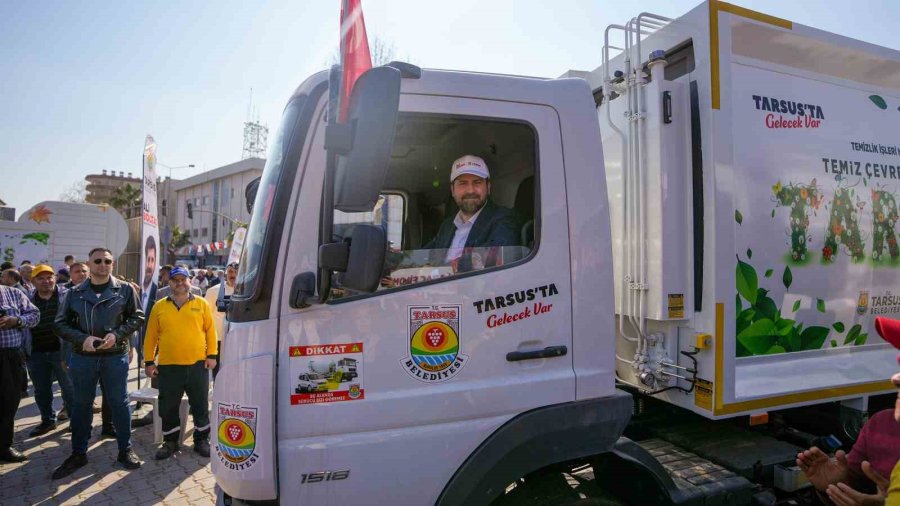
(98, 317)
(479, 223)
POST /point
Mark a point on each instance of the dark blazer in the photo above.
(495, 227)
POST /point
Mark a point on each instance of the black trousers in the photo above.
(11, 362)
(174, 381)
(218, 362)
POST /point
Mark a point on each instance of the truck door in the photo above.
(445, 350)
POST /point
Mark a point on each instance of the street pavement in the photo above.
(184, 478)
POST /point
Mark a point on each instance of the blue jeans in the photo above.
(86, 370)
(43, 366)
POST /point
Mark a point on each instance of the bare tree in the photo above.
(77, 193)
(381, 50)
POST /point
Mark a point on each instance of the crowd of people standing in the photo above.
(80, 326)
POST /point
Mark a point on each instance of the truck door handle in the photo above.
(548, 352)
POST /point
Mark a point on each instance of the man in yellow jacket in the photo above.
(181, 329)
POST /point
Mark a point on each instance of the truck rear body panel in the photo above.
(800, 176)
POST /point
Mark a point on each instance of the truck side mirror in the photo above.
(359, 258)
(250, 193)
(368, 244)
(363, 144)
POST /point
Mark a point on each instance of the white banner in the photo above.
(817, 187)
(237, 245)
(149, 224)
(17, 246)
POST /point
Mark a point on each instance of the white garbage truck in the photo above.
(705, 229)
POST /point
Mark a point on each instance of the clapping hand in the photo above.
(821, 470)
(844, 495)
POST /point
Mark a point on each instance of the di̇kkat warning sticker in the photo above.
(434, 343)
(326, 373)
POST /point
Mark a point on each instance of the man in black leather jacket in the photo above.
(98, 317)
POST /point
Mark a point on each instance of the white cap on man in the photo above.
(469, 164)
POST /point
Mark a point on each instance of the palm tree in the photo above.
(180, 239)
(127, 199)
(237, 224)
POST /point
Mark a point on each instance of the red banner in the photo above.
(355, 56)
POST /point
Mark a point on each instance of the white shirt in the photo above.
(459, 237)
(212, 296)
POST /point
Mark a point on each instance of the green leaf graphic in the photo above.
(861, 339)
(838, 326)
(747, 282)
(820, 305)
(765, 306)
(787, 278)
(853, 334)
(833, 343)
(878, 101)
(773, 213)
(738, 217)
(796, 305)
(814, 337)
(769, 272)
(784, 327)
(749, 253)
(759, 337)
(775, 349)
(794, 340)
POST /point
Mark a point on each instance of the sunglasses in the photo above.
(106, 261)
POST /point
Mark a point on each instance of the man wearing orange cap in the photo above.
(479, 223)
(875, 454)
(44, 362)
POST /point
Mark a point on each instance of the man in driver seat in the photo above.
(479, 223)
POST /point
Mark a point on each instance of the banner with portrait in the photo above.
(149, 223)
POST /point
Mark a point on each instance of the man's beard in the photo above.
(470, 204)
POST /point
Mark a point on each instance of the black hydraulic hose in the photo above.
(693, 381)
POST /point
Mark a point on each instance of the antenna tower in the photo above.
(255, 134)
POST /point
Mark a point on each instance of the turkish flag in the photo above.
(355, 57)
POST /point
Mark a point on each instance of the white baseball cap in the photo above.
(469, 164)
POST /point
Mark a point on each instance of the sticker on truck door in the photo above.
(236, 436)
(326, 373)
(434, 344)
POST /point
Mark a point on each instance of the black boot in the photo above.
(12, 455)
(69, 466)
(166, 450)
(129, 459)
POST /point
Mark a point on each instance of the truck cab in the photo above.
(474, 363)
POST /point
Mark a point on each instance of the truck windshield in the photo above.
(260, 221)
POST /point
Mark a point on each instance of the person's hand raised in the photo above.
(844, 495)
(822, 470)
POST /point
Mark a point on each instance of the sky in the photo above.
(84, 82)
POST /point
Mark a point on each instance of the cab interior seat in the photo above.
(524, 206)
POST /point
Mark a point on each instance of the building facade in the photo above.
(7, 213)
(217, 202)
(101, 187)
